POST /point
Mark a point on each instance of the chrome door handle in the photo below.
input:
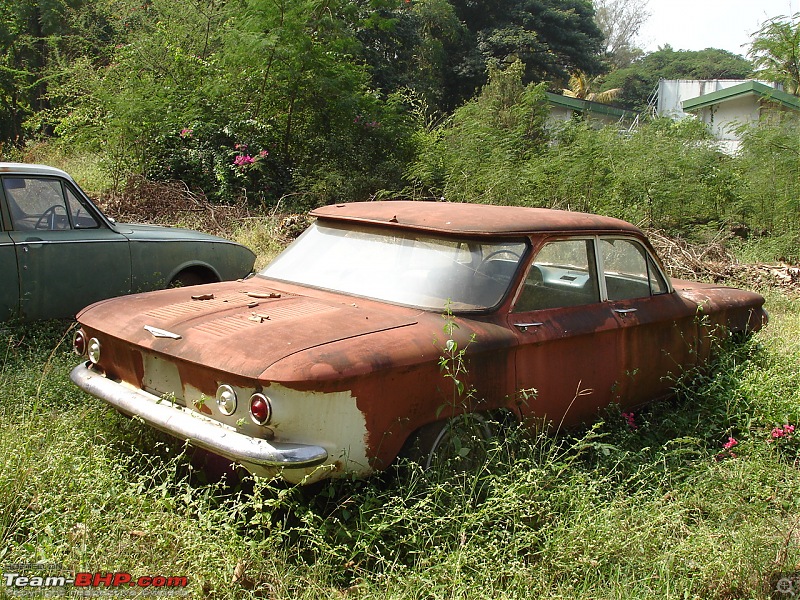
(524, 326)
(625, 311)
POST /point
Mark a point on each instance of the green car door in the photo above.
(67, 254)
(9, 290)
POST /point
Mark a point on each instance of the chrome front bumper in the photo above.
(195, 428)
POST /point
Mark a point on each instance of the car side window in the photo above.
(36, 203)
(562, 274)
(81, 217)
(629, 271)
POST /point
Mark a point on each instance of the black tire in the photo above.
(459, 443)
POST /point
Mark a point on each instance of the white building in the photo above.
(566, 108)
(725, 105)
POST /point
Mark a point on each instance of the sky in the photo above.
(700, 24)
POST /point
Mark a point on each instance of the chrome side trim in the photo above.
(71, 241)
(195, 428)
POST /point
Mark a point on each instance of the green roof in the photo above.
(743, 89)
(585, 106)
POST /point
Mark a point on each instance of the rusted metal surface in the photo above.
(357, 376)
(471, 219)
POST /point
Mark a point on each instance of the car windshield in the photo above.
(402, 267)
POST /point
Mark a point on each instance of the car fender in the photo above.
(190, 265)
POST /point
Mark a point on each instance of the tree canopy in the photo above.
(638, 82)
(328, 100)
(552, 38)
(620, 22)
(776, 52)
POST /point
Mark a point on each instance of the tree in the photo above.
(552, 38)
(409, 45)
(479, 153)
(620, 22)
(257, 98)
(770, 162)
(640, 80)
(38, 41)
(775, 52)
(580, 87)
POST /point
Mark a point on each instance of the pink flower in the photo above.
(243, 160)
(186, 132)
(777, 432)
(263, 154)
(240, 146)
(730, 444)
(630, 420)
(788, 429)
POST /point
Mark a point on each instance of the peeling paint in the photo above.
(357, 376)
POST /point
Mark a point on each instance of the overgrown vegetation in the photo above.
(309, 102)
(499, 148)
(660, 503)
(256, 108)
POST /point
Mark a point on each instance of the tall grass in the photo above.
(661, 510)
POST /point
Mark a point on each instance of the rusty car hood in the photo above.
(241, 327)
(719, 295)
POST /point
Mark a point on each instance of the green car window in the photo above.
(81, 217)
(36, 203)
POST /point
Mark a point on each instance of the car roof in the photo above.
(471, 219)
(30, 169)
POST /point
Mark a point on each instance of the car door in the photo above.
(66, 254)
(658, 329)
(568, 338)
(9, 290)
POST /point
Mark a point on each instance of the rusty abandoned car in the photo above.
(328, 361)
(59, 252)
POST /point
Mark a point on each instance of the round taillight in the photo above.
(226, 399)
(79, 343)
(94, 350)
(260, 409)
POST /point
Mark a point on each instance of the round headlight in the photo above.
(94, 350)
(226, 399)
(79, 343)
(260, 409)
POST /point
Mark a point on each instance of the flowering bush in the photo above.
(212, 159)
(782, 438)
(630, 420)
(730, 443)
(727, 451)
(242, 159)
(787, 432)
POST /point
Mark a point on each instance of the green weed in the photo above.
(647, 505)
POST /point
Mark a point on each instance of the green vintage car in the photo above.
(59, 253)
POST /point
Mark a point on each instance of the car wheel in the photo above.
(458, 443)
